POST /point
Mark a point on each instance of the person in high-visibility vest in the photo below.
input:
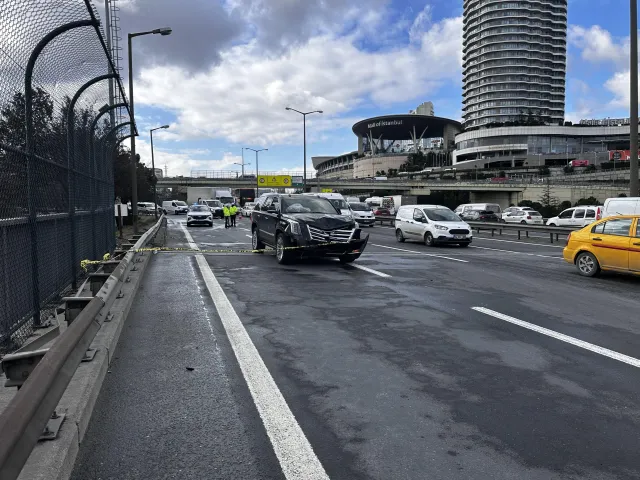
(226, 211)
(233, 211)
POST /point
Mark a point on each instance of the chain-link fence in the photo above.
(59, 127)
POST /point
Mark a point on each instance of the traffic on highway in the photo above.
(498, 360)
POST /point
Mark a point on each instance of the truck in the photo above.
(217, 193)
(398, 200)
(578, 163)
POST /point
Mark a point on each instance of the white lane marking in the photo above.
(248, 236)
(518, 242)
(370, 270)
(511, 251)
(293, 450)
(422, 253)
(245, 229)
(560, 336)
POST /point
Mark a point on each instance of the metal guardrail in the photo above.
(24, 419)
(493, 227)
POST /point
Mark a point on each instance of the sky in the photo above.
(223, 78)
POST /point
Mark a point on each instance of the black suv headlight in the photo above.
(295, 227)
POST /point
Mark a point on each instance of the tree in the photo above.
(564, 205)
(549, 202)
(415, 162)
(122, 178)
(588, 201)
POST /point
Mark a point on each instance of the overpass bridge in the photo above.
(505, 193)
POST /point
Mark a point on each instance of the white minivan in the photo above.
(337, 200)
(580, 216)
(431, 224)
(621, 206)
(174, 207)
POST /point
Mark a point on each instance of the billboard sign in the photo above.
(274, 180)
(620, 155)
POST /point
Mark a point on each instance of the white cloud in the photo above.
(598, 45)
(420, 23)
(242, 99)
(182, 162)
(619, 86)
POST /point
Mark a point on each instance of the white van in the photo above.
(431, 224)
(579, 216)
(621, 206)
(337, 200)
(463, 209)
(174, 207)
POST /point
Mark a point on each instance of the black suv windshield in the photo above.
(360, 207)
(199, 208)
(307, 205)
(441, 215)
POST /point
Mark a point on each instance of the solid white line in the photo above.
(511, 251)
(248, 236)
(518, 241)
(422, 253)
(293, 450)
(559, 336)
(370, 270)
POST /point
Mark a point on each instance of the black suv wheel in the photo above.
(283, 255)
(256, 244)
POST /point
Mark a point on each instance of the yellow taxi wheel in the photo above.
(587, 264)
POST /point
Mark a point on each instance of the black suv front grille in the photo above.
(337, 235)
(459, 231)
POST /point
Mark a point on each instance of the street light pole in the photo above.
(257, 171)
(633, 115)
(153, 169)
(134, 163)
(304, 128)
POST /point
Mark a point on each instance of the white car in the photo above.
(431, 224)
(525, 217)
(199, 214)
(362, 213)
(508, 210)
(247, 209)
(576, 217)
(174, 207)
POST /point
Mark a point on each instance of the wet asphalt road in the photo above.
(391, 377)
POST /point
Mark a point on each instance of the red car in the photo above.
(381, 211)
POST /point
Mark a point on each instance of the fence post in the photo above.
(71, 165)
(30, 152)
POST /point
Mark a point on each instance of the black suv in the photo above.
(309, 223)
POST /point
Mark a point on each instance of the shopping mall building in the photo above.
(385, 142)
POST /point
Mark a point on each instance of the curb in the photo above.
(54, 460)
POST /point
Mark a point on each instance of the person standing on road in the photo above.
(226, 211)
(233, 210)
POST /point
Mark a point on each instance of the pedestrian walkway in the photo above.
(174, 404)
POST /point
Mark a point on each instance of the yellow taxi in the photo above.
(612, 243)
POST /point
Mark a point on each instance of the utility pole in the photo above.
(633, 108)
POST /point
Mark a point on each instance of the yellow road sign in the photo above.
(274, 180)
(327, 190)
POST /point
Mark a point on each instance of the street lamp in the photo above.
(257, 171)
(153, 169)
(164, 31)
(633, 107)
(243, 163)
(304, 128)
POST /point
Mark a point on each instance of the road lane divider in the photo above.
(370, 270)
(511, 251)
(560, 336)
(421, 253)
(294, 452)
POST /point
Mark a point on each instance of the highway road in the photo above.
(493, 362)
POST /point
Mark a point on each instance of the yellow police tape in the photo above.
(85, 263)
